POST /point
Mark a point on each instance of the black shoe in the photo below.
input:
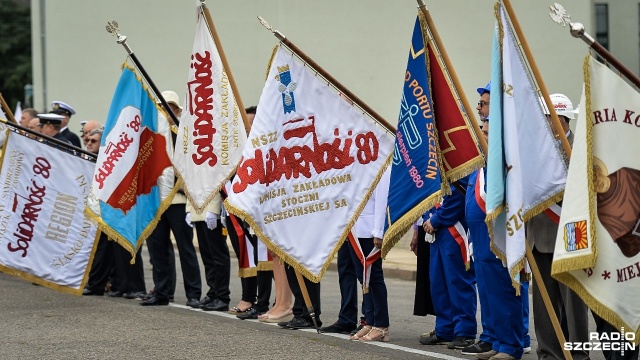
(115, 293)
(89, 292)
(338, 328)
(361, 324)
(251, 313)
(301, 323)
(477, 348)
(205, 300)
(154, 301)
(216, 305)
(461, 342)
(194, 303)
(285, 324)
(134, 295)
(433, 339)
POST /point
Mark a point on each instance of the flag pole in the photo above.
(112, 28)
(69, 147)
(286, 42)
(565, 143)
(7, 110)
(555, 121)
(307, 299)
(225, 64)
(560, 16)
(454, 77)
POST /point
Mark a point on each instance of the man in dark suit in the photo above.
(64, 109)
(571, 311)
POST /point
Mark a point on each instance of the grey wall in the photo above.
(362, 43)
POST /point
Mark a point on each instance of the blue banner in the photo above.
(416, 181)
(131, 161)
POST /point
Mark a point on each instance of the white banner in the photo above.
(310, 164)
(212, 135)
(597, 250)
(44, 234)
(536, 170)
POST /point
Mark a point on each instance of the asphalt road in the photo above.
(39, 323)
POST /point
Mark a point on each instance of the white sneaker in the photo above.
(527, 349)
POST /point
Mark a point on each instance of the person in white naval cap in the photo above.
(50, 125)
(64, 109)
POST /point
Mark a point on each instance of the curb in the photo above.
(392, 269)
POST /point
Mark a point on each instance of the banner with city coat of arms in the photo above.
(311, 162)
(597, 251)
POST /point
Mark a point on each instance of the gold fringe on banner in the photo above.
(589, 260)
(265, 266)
(247, 272)
(51, 285)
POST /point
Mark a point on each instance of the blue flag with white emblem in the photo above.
(416, 180)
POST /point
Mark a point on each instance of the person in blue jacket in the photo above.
(452, 277)
(504, 315)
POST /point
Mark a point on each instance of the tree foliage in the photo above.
(15, 50)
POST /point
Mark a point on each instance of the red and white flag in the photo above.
(211, 135)
(309, 167)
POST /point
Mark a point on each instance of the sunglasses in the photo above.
(482, 103)
(91, 141)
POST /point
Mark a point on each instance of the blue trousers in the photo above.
(452, 289)
(502, 311)
(375, 305)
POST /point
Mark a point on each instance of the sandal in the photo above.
(237, 311)
(274, 319)
(364, 331)
(376, 334)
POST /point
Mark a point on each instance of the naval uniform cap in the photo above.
(50, 118)
(60, 107)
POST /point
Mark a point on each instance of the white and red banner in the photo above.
(597, 251)
(212, 135)
(44, 234)
(311, 162)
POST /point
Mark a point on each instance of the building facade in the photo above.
(363, 44)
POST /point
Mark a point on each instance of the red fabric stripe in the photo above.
(460, 240)
(553, 216)
(354, 245)
(479, 199)
(243, 256)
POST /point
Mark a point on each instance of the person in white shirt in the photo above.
(369, 229)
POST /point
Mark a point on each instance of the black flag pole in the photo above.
(112, 28)
(49, 140)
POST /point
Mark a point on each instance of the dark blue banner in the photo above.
(415, 173)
